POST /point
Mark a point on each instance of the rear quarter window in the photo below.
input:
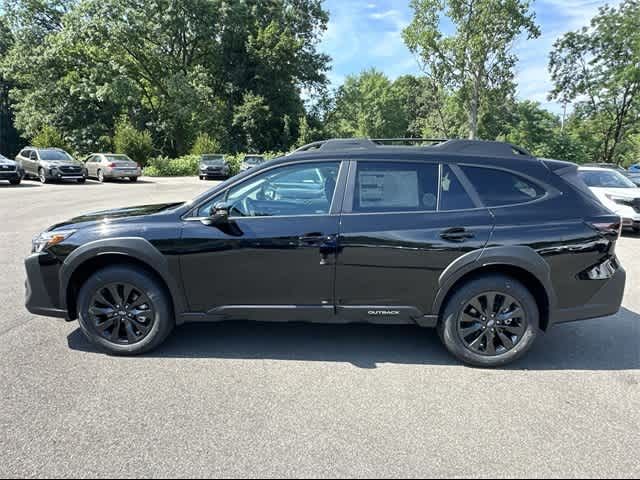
(498, 188)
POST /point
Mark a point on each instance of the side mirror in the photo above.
(219, 214)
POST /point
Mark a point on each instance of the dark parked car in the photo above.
(213, 166)
(251, 161)
(10, 171)
(478, 239)
(50, 164)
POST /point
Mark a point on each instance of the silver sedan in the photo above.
(106, 166)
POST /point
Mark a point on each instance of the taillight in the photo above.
(607, 226)
(111, 165)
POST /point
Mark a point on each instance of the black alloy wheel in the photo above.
(121, 313)
(492, 323)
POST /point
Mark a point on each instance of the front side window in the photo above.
(303, 189)
(396, 187)
(499, 188)
(34, 155)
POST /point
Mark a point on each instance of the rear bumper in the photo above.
(121, 174)
(607, 301)
(42, 287)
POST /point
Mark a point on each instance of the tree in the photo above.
(366, 105)
(50, 137)
(540, 132)
(477, 59)
(130, 141)
(598, 68)
(10, 141)
(205, 144)
(174, 67)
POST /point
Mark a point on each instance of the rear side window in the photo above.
(396, 187)
(499, 188)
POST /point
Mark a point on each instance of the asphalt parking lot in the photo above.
(291, 400)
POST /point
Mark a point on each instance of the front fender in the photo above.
(136, 248)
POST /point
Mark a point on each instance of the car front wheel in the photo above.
(42, 176)
(124, 310)
(490, 321)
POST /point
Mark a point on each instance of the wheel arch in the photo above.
(522, 263)
(93, 256)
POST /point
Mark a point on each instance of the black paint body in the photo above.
(347, 266)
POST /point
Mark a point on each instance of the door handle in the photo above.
(313, 239)
(456, 234)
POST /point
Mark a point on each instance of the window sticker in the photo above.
(388, 189)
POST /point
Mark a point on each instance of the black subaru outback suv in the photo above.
(481, 240)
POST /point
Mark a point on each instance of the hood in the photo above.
(117, 214)
(59, 163)
(6, 161)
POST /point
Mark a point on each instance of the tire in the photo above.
(459, 309)
(100, 176)
(15, 181)
(153, 330)
(42, 176)
(82, 180)
(636, 230)
(201, 177)
(133, 179)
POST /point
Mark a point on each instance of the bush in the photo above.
(50, 137)
(205, 144)
(177, 167)
(132, 142)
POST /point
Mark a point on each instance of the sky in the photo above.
(367, 33)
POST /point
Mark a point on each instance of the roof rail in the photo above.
(469, 147)
(482, 147)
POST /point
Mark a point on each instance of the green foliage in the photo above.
(177, 167)
(137, 144)
(50, 137)
(205, 144)
(598, 68)
(188, 165)
(478, 59)
(367, 106)
(178, 67)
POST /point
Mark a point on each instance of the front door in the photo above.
(403, 224)
(276, 253)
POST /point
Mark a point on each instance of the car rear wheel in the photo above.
(124, 310)
(100, 176)
(490, 321)
(133, 179)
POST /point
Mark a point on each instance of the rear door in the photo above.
(403, 224)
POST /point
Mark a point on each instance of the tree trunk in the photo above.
(474, 108)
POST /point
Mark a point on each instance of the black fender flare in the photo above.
(136, 248)
(521, 257)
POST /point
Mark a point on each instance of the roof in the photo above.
(417, 145)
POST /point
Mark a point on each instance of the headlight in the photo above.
(49, 239)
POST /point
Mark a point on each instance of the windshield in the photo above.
(54, 155)
(605, 179)
(118, 158)
(213, 159)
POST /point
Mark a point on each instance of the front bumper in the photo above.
(214, 173)
(42, 286)
(7, 175)
(55, 174)
(606, 301)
